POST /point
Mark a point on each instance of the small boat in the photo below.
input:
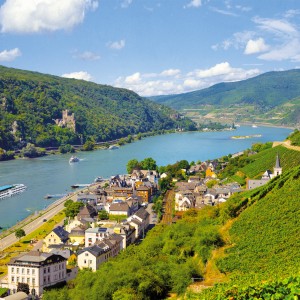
(80, 185)
(113, 147)
(254, 126)
(11, 190)
(98, 179)
(73, 159)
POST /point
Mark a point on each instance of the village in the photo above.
(108, 217)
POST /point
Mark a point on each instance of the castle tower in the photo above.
(277, 168)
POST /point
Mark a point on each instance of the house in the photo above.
(127, 233)
(144, 192)
(88, 211)
(58, 236)
(92, 235)
(77, 236)
(120, 209)
(87, 198)
(140, 221)
(93, 256)
(38, 269)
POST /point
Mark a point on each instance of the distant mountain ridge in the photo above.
(30, 103)
(268, 89)
(265, 93)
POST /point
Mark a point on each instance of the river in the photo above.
(54, 175)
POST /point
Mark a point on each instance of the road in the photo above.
(47, 214)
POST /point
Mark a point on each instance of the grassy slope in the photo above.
(264, 239)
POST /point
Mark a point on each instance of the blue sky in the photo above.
(152, 47)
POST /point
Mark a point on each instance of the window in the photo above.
(28, 271)
(84, 261)
(18, 279)
(86, 254)
(45, 279)
(23, 270)
(33, 281)
(28, 280)
(59, 266)
(91, 261)
(33, 271)
(23, 279)
(49, 240)
(12, 270)
(48, 278)
(12, 278)
(48, 269)
(33, 292)
(17, 270)
(45, 271)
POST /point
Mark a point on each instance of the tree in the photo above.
(23, 287)
(73, 209)
(19, 233)
(103, 215)
(88, 146)
(148, 164)
(132, 164)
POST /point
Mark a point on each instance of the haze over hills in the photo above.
(272, 96)
(31, 102)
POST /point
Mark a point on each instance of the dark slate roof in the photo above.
(61, 233)
(142, 213)
(94, 250)
(123, 206)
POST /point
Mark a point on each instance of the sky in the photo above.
(153, 47)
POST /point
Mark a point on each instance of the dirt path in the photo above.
(286, 144)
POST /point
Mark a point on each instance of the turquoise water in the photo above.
(54, 174)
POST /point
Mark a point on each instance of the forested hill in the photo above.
(31, 102)
(265, 91)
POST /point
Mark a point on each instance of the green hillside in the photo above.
(272, 97)
(264, 243)
(252, 241)
(30, 102)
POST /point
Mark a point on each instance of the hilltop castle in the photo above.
(68, 120)
(268, 175)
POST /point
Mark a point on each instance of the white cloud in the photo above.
(275, 26)
(223, 12)
(87, 55)
(10, 55)
(33, 16)
(118, 45)
(170, 72)
(172, 81)
(126, 3)
(256, 46)
(291, 13)
(82, 75)
(194, 3)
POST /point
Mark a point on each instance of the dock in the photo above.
(80, 185)
(48, 196)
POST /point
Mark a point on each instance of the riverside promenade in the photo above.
(33, 222)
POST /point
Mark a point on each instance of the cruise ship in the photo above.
(10, 190)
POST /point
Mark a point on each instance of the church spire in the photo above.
(277, 164)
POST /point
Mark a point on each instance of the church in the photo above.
(268, 175)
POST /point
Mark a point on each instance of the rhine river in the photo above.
(54, 175)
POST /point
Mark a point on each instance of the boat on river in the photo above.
(73, 159)
(11, 190)
(113, 147)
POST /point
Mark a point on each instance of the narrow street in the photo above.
(168, 208)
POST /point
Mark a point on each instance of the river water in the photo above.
(54, 175)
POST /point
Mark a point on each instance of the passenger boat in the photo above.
(113, 147)
(73, 159)
(12, 189)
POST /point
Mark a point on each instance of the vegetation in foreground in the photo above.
(261, 247)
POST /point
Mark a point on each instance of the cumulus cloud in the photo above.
(173, 81)
(87, 55)
(194, 3)
(82, 75)
(33, 16)
(10, 55)
(256, 46)
(118, 45)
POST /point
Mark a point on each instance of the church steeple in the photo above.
(277, 168)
